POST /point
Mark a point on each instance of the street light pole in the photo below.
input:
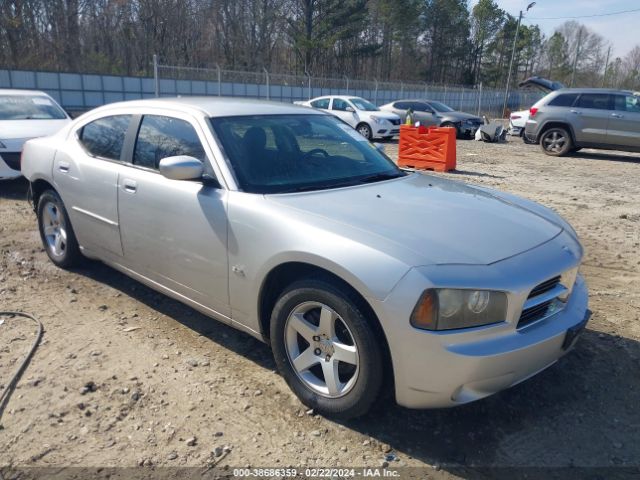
(513, 54)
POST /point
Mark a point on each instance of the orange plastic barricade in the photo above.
(428, 148)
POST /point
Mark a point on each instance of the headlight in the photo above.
(378, 119)
(447, 309)
(568, 280)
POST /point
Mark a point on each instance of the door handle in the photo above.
(617, 115)
(575, 112)
(130, 186)
(64, 167)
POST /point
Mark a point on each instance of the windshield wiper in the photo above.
(378, 177)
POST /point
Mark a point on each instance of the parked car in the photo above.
(287, 224)
(570, 119)
(25, 114)
(361, 114)
(518, 120)
(432, 113)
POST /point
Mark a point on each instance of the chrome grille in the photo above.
(539, 310)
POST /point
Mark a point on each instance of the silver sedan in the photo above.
(289, 225)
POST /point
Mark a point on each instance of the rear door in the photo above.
(174, 231)
(624, 121)
(85, 171)
(590, 117)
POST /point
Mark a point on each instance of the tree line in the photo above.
(434, 41)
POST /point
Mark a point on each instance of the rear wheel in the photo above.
(325, 349)
(556, 142)
(56, 232)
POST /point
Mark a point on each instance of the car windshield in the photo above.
(362, 104)
(294, 153)
(29, 107)
(441, 107)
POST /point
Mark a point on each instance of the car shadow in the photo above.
(607, 156)
(15, 189)
(581, 411)
(218, 332)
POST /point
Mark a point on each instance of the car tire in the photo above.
(556, 142)
(365, 130)
(452, 125)
(306, 345)
(56, 232)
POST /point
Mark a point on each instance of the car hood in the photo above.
(434, 221)
(460, 116)
(26, 129)
(379, 114)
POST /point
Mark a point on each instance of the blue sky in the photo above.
(623, 31)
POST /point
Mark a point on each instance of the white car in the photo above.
(25, 114)
(517, 121)
(361, 114)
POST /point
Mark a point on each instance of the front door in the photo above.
(86, 172)
(174, 231)
(339, 108)
(624, 121)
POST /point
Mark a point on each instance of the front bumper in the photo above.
(448, 368)
(387, 131)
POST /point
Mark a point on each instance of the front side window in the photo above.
(421, 107)
(598, 101)
(104, 137)
(308, 152)
(322, 103)
(362, 104)
(161, 137)
(29, 107)
(627, 103)
(564, 100)
(339, 104)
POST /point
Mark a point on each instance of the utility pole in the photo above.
(513, 54)
(575, 60)
(606, 65)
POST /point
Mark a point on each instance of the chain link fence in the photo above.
(176, 80)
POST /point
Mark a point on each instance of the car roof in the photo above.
(218, 106)
(593, 90)
(15, 91)
(342, 97)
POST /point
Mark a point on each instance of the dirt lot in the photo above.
(165, 375)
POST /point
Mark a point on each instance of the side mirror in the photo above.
(181, 167)
(349, 109)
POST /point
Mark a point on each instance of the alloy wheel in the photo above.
(321, 349)
(554, 141)
(53, 226)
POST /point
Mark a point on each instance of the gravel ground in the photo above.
(126, 377)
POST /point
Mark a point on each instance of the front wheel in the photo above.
(365, 130)
(556, 142)
(56, 232)
(325, 349)
(452, 125)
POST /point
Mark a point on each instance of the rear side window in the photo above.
(160, 137)
(601, 101)
(627, 103)
(401, 105)
(104, 137)
(564, 100)
(322, 103)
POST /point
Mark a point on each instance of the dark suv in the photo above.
(573, 118)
